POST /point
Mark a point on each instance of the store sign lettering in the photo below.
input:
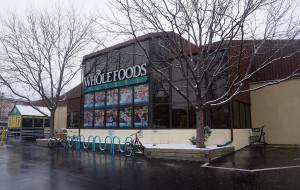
(117, 75)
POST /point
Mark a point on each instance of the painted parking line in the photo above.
(206, 165)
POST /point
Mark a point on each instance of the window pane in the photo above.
(236, 115)
(192, 117)
(161, 116)
(113, 61)
(112, 97)
(141, 94)
(90, 67)
(99, 118)
(141, 117)
(242, 115)
(101, 63)
(161, 93)
(125, 117)
(176, 97)
(141, 52)
(27, 122)
(192, 94)
(76, 120)
(111, 118)
(248, 116)
(38, 123)
(88, 119)
(89, 100)
(100, 99)
(179, 116)
(126, 96)
(126, 57)
(220, 117)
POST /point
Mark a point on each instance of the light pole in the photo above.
(1, 99)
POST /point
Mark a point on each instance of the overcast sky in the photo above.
(20, 7)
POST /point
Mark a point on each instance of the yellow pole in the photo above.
(2, 138)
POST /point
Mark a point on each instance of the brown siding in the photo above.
(73, 105)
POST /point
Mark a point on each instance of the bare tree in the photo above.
(42, 52)
(216, 46)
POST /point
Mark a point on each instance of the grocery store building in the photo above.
(122, 94)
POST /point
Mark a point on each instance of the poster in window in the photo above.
(141, 116)
(112, 97)
(141, 94)
(111, 118)
(99, 99)
(126, 96)
(125, 117)
(89, 100)
(99, 118)
(88, 119)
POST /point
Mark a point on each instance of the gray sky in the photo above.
(20, 7)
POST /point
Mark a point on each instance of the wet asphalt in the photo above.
(31, 167)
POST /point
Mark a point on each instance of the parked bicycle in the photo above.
(134, 146)
(73, 140)
(55, 142)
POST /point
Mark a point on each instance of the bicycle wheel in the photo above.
(127, 149)
(139, 148)
(51, 143)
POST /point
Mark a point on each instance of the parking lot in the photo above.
(29, 166)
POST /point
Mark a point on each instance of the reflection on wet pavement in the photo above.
(31, 167)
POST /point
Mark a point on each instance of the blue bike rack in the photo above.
(86, 145)
(75, 142)
(105, 142)
(70, 141)
(119, 145)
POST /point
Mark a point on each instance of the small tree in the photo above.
(42, 53)
(211, 44)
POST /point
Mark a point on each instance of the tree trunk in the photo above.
(52, 117)
(200, 129)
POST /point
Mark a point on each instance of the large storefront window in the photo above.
(99, 99)
(141, 117)
(73, 120)
(112, 97)
(88, 119)
(141, 94)
(161, 116)
(241, 115)
(125, 107)
(126, 96)
(125, 117)
(179, 116)
(89, 100)
(111, 118)
(99, 118)
(220, 117)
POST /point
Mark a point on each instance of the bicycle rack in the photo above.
(70, 142)
(119, 145)
(86, 145)
(76, 141)
(104, 148)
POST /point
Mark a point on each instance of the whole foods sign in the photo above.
(117, 78)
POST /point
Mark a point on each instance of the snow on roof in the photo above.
(28, 110)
